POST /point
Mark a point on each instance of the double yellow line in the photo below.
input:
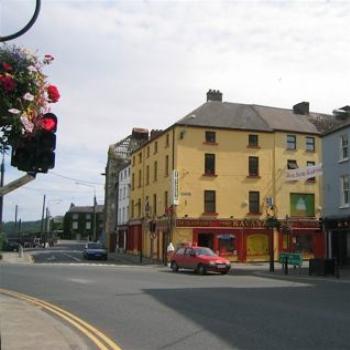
(97, 337)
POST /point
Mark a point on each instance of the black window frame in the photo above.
(209, 203)
(254, 143)
(253, 166)
(290, 162)
(254, 203)
(209, 163)
(210, 137)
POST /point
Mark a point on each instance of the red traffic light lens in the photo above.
(49, 122)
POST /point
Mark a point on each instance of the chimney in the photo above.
(214, 95)
(301, 108)
(155, 133)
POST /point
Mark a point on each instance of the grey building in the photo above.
(336, 189)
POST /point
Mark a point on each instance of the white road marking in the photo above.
(71, 257)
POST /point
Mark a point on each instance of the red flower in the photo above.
(7, 67)
(53, 93)
(7, 82)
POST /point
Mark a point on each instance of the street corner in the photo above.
(34, 324)
(16, 258)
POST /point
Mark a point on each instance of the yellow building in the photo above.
(217, 178)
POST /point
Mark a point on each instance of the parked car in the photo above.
(95, 250)
(199, 259)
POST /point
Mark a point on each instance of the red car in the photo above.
(199, 259)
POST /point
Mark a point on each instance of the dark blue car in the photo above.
(95, 250)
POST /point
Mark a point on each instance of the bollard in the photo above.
(286, 266)
(20, 251)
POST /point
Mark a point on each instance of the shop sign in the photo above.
(248, 223)
(175, 187)
(302, 204)
(304, 173)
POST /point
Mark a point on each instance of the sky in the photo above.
(125, 64)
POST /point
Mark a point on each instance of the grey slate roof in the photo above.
(76, 209)
(249, 117)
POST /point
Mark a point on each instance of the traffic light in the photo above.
(36, 152)
(46, 143)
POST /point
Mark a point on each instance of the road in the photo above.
(152, 308)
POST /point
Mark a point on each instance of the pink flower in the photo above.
(53, 93)
(48, 58)
(7, 67)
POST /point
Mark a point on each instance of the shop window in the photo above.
(254, 202)
(253, 141)
(291, 142)
(310, 144)
(227, 244)
(209, 164)
(210, 137)
(209, 202)
(303, 243)
(253, 166)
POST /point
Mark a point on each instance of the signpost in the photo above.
(295, 259)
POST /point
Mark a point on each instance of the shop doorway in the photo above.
(206, 240)
(341, 247)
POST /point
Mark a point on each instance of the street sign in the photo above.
(295, 259)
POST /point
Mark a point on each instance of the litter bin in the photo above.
(322, 267)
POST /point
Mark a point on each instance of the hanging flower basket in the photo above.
(25, 94)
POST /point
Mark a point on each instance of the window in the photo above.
(75, 216)
(210, 137)
(291, 142)
(166, 165)
(133, 160)
(209, 202)
(345, 191)
(253, 166)
(292, 164)
(167, 140)
(140, 157)
(254, 202)
(148, 151)
(155, 171)
(253, 141)
(88, 216)
(132, 208)
(155, 147)
(209, 164)
(75, 225)
(88, 225)
(147, 175)
(154, 205)
(140, 178)
(344, 147)
(180, 251)
(139, 207)
(133, 182)
(310, 144)
(166, 199)
(311, 179)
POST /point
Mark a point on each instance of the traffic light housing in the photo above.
(36, 152)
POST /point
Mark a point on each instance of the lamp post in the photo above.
(94, 223)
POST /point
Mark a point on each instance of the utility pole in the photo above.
(42, 235)
(16, 217)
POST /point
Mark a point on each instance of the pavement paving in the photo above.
(24, 326)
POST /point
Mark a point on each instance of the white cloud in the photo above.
(130, 64)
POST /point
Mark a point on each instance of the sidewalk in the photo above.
(24, 326)
(15, 258)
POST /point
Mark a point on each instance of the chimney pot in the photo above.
(214, 95)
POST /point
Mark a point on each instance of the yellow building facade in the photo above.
(220, 186)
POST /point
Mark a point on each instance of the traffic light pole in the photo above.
(2, 175)
(15, 184)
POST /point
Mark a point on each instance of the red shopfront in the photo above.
(237, 240)
(134, 237)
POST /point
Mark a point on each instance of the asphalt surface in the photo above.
(152, 308)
